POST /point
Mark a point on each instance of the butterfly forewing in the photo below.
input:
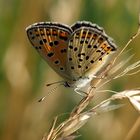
(88, 49)
(51, 41)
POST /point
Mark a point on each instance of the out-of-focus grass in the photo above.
(23, 74)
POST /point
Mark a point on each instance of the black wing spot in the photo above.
(82, 41)
(57, 62)
(86, 41)
(56, 42)
(113, 49)
(70, 59)
(92, 61)
(80, 60)
(50, 54)
(87, 57)
(71, 47)
(72, 67)
(95, 46)
(100, 59)
(41, 42)
(75, 49)
(44, 40)
(98, 51)
(61, 68)
(89, 46)
(79, 55)
(30, 33)
(63, 51)
(79, 66)
(51, 44)
(102, 53)
(83, 54)
(36, 47)
(33, 37)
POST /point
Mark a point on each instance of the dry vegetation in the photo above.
(23, 75)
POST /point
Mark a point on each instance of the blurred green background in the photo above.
(23, 73)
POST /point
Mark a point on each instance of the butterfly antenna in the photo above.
(51, 91)
(50, 84)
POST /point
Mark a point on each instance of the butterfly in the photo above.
(77, 53)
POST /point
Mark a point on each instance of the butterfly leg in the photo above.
(80, 92)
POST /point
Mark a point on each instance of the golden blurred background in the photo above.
(24, 74)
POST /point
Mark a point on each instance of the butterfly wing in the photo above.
(51, 41)
(88, 49)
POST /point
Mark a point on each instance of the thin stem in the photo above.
(135, 128)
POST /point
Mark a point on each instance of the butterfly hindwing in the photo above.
(88, 48)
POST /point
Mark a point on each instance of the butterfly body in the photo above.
(77, 53)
